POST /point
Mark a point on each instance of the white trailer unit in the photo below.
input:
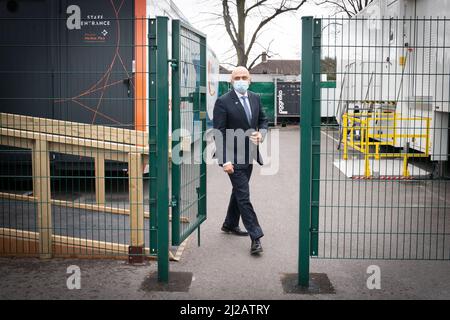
(396, 55)
(169, 9)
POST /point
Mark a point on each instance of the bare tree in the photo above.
(237, 13)
(349, 7)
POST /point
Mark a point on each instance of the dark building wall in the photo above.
(67, 60)
(53, 67)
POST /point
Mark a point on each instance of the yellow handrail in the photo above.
(359, 133)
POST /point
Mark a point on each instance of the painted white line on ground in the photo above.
(426, 189)
(332, 138)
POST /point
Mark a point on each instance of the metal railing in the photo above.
(362, 131)
(374, 181)
(85, 161)
(74, 142)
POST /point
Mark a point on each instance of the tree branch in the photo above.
(254, 61)
(339, 5)
(229, 23)
(266, 51)
(280, 10)
(256, 5)
(352, 3)
(350, 7)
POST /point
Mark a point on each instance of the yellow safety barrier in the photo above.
(362, 130)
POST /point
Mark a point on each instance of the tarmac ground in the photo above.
(402, 227)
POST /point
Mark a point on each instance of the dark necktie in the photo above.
(248, 112)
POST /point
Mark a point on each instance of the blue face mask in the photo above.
(241, 86)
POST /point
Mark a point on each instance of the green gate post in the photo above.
(159, 144)
(202, 206)
(176, 124)
(162, 85)
(153, 170)
(316, 113)
(305, 150)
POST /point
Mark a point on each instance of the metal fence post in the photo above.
(153, 170)
(176, 125)
(202, 206)
(159, 144)
(315, 122)
(305, 150)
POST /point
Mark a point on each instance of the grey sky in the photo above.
(285, 31)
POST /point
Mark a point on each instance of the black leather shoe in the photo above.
(256, 247)
(237, 231)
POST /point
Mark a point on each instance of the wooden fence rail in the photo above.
(102, 143)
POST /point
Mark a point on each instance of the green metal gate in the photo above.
(188, 127)
(374, 181)
(187, 196)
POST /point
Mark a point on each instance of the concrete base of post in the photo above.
(318, 284)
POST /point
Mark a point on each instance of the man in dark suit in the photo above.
(241, 126)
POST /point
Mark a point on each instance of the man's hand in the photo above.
(228, 168)
(256, 138)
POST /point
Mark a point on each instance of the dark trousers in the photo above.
(240, 205)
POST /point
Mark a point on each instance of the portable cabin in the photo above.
(394, 56)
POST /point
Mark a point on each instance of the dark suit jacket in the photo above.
(229, 114)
